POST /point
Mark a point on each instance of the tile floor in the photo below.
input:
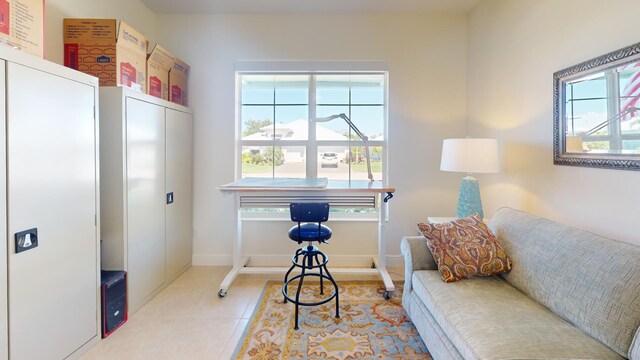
(188, 320)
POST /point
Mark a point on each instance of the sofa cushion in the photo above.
(591, 281)
(486, 318)
(437, 342)
(464, 248)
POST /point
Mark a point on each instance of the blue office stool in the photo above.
(309, 217)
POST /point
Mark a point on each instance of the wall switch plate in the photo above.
(26, 240)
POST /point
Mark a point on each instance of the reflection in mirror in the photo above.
(600, 111)
(597, 112)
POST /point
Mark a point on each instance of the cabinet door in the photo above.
(51, 177)
(146, 200)
(4, 322)
(178, 177)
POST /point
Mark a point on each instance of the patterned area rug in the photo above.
(369, 327)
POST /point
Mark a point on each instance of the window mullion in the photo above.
(312, 147)
(275, 121)
(613, 99)
(350, 162)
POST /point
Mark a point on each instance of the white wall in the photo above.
(427, 62)
(133, 12)
(514, 49)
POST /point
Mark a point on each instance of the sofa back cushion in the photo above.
(590, 281)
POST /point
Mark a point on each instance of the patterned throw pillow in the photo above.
(465, 248)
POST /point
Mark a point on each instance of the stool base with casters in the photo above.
(310, 254)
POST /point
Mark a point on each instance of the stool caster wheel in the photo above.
(387, 295)
(222, 293)
(373, 265)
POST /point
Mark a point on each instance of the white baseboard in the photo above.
(395, 263)
(211, 260)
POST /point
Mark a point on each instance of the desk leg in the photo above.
(231, 275)
(239, 261)
(381, 264)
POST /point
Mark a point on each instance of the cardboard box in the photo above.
(91, 46)
(178, 82)
(131, 52)
(22, 25)
(159, 63)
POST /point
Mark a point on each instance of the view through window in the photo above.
(278, 139)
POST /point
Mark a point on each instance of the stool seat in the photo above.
(309, 232)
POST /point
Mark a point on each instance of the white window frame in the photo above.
(310, 68)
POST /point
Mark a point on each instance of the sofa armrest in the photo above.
(634, 351)
(416, 257)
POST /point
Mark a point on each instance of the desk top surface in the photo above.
(320, 184)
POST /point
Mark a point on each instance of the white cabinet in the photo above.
(49, 183)
(179, 159)
(145, 198)
(146, 195)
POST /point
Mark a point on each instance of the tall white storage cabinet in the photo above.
(178, 179)
(146, 155)
(49, 293)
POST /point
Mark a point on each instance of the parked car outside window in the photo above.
(329, 159)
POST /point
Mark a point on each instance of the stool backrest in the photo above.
(309, 212)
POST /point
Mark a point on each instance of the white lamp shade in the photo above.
(470, 155)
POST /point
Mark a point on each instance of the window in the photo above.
(277, 138)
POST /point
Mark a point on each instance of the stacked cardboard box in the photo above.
(159, 63)
(22, 25)
(118, 56)
(178, 82)
(91, 46)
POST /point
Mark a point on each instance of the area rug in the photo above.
(369, 327)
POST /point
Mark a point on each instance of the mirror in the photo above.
(597, 112)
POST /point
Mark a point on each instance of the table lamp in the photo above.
(470, 156)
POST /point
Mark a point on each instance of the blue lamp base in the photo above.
(469, 201)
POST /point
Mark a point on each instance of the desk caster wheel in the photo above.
(222, 293)
(387, 295)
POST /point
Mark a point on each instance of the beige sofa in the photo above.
(571, 294)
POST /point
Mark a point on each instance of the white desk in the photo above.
(253, 192)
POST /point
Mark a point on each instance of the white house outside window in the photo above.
(277, 138)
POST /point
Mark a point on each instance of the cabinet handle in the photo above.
(26, 240)
(170, 198)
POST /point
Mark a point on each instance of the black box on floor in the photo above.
(114, 300)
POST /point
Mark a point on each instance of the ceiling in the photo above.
(308, 6)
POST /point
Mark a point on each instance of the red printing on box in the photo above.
(127, 74)
(155, 86)
(5, 17)
(176, 94)
(71, 56)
